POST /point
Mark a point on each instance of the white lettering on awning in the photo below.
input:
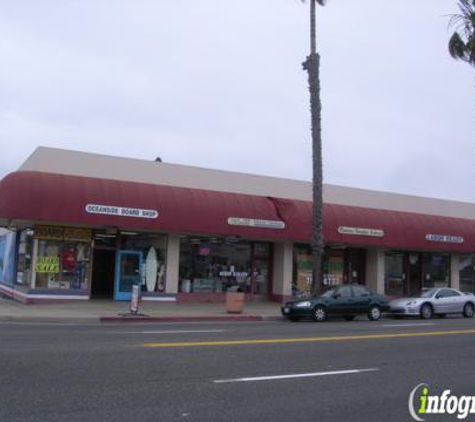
(256, 223)
(121, 211)
(359, 231)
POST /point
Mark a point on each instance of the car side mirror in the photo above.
(336, 295)
(437, 296)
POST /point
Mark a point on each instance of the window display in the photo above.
(216, 265)
(333, 268)
(62, 265)
(63, 257)
(303, 262)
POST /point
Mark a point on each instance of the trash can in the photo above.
(234, 301)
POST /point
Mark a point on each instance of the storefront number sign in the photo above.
(252, 222)
(47, 264)
(121, 211)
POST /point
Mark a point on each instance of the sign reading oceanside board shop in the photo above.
(121, 211)
(259, 224)
(444, 238)
(359, 231)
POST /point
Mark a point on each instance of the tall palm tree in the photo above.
(312, 66)
(462, 42)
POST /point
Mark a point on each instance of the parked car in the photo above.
(347, 301)
(436, 301)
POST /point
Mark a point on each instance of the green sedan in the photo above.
(346, 301)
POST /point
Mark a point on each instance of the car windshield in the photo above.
(329, 293)
(429, 293)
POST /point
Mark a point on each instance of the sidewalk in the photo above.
(112, 311)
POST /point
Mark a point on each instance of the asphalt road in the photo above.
(213, 371)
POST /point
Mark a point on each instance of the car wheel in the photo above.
(426, 311)
(468, 310)
(294, 318)
(349, 317)
(374, 313)
(319, 314)
(441, 316)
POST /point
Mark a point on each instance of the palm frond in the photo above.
(457, 48)
(462, 43)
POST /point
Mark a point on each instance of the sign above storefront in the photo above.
(121, 211)
(359, 231)
(444, 238)
(78, 234)
(258, 224)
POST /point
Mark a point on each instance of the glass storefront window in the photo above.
(154, 252)
(62, 265)
(302, 269)
(333, 268)
(260, 265)
(215, 265)
(8, 242)
(25, 258)
(467, 273)
(395, 273)
(436, 270)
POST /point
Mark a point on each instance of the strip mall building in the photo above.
(80, 226)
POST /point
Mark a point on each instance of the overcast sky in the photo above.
(219, 84)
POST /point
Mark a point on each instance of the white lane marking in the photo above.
(293, 376)
(422, 324)
(170, 332)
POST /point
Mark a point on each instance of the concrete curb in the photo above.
(47, 319)
(136, 319)
(188, 318)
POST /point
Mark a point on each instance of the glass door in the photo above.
(414, 273)
(260, 262)
(127, 273)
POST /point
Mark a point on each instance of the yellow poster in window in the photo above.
(47, 264)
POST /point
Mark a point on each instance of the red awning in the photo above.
(387, 229)
(62, 199)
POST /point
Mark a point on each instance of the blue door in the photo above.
(127, 273)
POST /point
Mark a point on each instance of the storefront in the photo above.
(340, 265)
(216, 265)
(408, 273)
(81, 263)
(184, 233)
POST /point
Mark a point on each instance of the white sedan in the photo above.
(436, 301)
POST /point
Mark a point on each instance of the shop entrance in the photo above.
(103, 274)
(128, 272)
(355, 265)
(414, 274)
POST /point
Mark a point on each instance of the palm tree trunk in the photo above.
(313, 27)
(312, 66)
